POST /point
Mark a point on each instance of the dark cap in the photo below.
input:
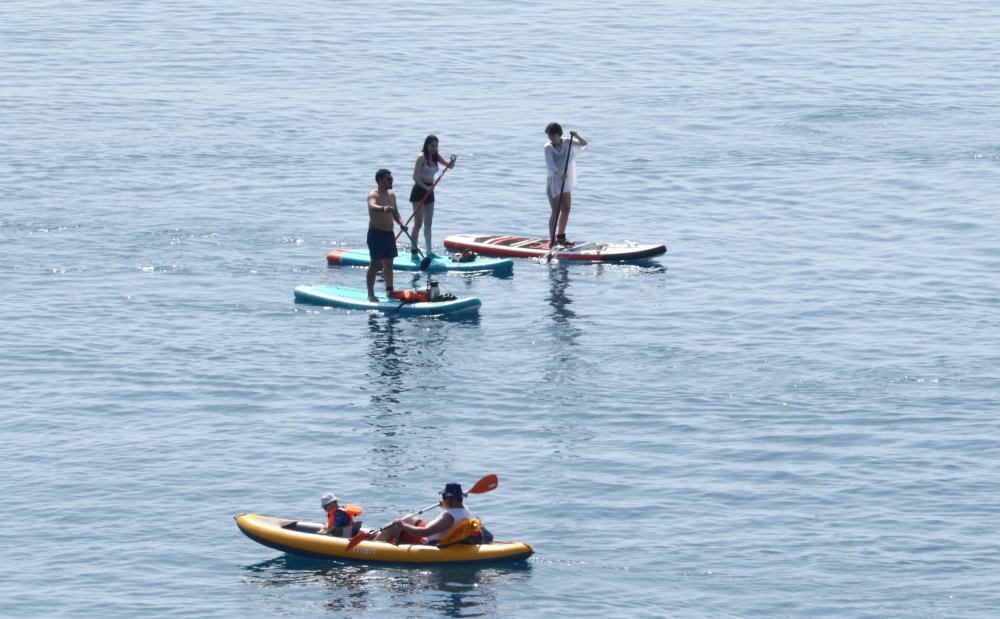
(452, 490)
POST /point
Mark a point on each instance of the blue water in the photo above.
(793, 413)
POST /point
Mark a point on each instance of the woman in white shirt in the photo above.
(560, 162)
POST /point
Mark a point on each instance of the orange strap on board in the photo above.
(410, 296)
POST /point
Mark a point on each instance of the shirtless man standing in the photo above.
(381, 240)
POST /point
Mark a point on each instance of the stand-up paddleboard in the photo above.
(524, 247)
(406, 262)
(357, 298)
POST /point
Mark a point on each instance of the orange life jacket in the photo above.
(460, 531)
(410, 296)
(350, 510)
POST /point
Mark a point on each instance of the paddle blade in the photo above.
(357, 539)
(486, 484)
(425, 263)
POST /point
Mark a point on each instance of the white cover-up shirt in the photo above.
(555, 161)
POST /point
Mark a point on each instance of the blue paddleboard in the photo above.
(356, 298)
(405, 262)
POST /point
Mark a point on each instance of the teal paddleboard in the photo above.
(406, 262)
(356, 298)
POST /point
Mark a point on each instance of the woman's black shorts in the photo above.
(417, 194)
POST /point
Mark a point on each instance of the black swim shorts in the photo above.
(381, 244)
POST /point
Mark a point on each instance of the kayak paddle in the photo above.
(486, 484)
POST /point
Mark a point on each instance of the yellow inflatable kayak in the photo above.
(299, 537)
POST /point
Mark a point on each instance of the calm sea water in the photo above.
(791, 414)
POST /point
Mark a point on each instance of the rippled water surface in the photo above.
(793, 413)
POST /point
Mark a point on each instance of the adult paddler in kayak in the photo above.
(411, 530)
(382, 212)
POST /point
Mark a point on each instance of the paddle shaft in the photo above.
(555, 220)
(380, 529)
(425, 261)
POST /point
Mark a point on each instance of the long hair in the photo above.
(427, 149)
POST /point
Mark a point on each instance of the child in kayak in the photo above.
(340, 521)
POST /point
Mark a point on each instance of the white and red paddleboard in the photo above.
(525, 247)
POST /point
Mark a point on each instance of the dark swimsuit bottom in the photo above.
(417, 194)
(381, 244)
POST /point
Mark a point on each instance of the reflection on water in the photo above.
(567, 362)
(387, 362)
(407, 356)
(562, 315)
(348, 584)
(432, 591)
(392, 376)
(644, 267)
(465, 592)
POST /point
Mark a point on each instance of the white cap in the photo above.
(327, 499)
